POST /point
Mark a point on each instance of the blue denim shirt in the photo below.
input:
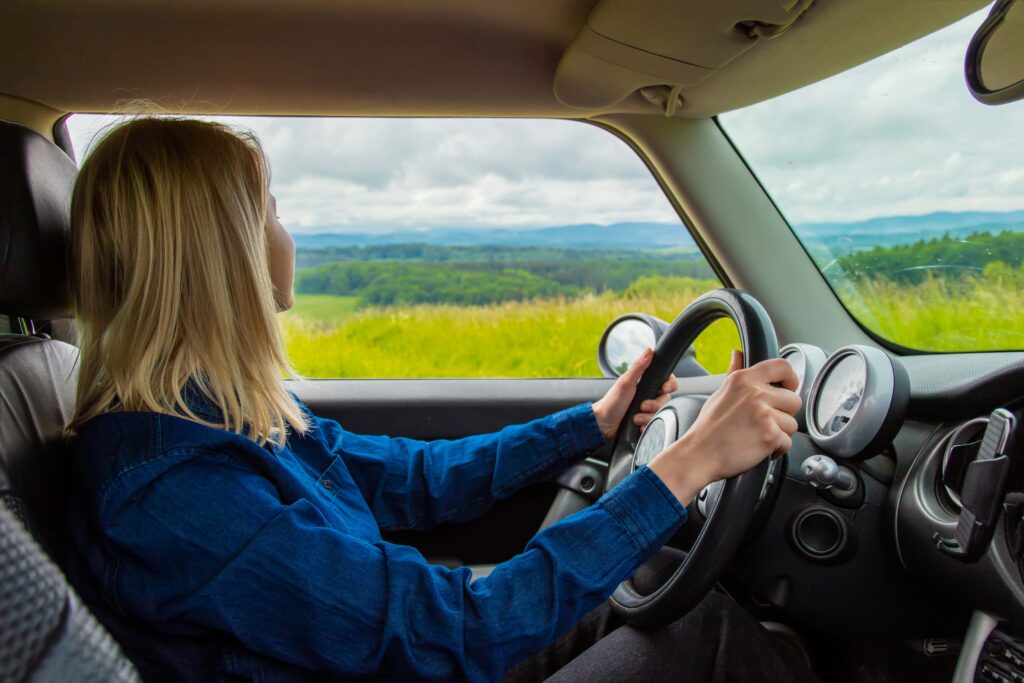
(212, 558)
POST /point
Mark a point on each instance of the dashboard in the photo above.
(907, 524)
(886, 511)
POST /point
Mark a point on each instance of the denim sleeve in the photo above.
(210, 544)
(412, 484)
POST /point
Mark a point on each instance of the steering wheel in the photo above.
(728, 506)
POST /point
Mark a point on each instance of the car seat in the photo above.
(46, 633)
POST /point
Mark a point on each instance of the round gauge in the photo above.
(840, 396)
(657, 436)
(857, 402)
(807, 361)
(799, 364)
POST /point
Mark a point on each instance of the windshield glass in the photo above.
(907, 193)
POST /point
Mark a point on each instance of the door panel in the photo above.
(450, 408)
(441, 408)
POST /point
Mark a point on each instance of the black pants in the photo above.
(717, 641)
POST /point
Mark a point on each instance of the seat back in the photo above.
(46, 634)
(37, 390)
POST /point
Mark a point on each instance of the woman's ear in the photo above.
(281, 258)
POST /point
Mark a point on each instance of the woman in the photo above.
(223, 531)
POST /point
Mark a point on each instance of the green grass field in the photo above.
(323, 310)
(327, 337)
(548, 338)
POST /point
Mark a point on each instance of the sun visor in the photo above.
(661, 47)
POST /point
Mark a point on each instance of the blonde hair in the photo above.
(172, 283)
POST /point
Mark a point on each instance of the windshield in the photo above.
(907, 193)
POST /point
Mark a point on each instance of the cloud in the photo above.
(375, 175)
(899, 135)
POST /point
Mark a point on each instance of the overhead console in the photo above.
(658, 47)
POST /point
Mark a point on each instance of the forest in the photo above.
(417, 274)
(944, 255)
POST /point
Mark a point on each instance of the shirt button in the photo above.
(328, 484)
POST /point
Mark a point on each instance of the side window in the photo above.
(467, 247)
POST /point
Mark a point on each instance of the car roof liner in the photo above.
(535, 58)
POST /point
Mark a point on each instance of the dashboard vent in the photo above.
(960, 450)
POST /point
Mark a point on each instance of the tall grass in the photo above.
(945, 314)
(326, 337)
(546, 338)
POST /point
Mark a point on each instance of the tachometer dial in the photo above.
(857, 403)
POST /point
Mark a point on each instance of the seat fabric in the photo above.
(45, 632)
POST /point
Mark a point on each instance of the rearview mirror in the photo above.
(626, 338)
(994, 66)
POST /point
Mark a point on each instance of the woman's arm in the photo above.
(411, 484)
(210, 543)
(415, 484)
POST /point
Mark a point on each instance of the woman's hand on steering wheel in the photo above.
(611, 408)
(743, 422)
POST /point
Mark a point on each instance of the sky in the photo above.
(899, 135)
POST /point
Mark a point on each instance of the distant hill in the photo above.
(892, 231)
(837, 236)
(938, 222)
(510, 256)
(587, 236)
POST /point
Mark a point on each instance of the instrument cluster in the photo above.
(854, 399)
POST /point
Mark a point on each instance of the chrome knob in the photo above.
(821, 471)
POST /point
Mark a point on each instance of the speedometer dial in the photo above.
(658, 435)
(807, 360)
(841, 395)
(651, 444)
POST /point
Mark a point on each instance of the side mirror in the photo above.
(994, 65)
(626, 338)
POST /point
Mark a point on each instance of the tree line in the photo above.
(943, 256)
(431, 274)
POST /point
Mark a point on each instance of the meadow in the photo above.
(539, 338)
(327, 337)
(971, 313)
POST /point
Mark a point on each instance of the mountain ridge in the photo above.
(884, 230)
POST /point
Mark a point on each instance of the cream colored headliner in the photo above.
(375, 57)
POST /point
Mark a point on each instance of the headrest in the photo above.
(36, 178)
